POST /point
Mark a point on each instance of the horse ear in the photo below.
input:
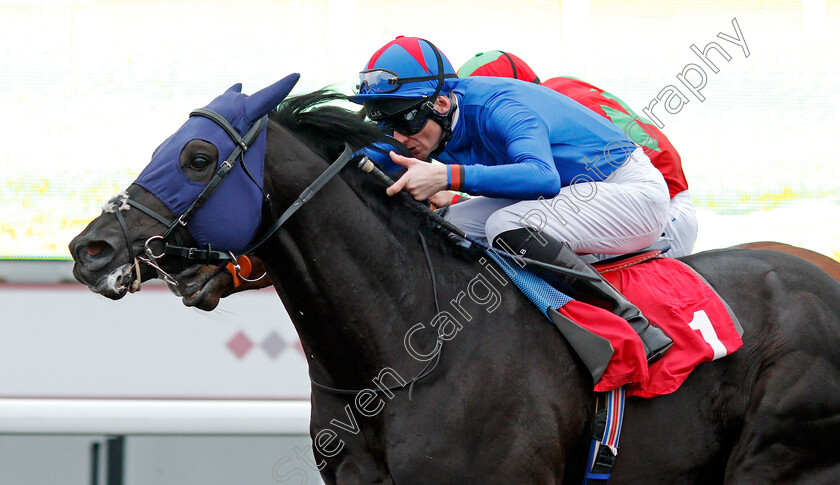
(265, 100)
(236, 88)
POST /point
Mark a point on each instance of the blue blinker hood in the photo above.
(229, 219)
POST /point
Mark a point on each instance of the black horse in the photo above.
(504, 400)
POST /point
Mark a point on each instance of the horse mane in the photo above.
(313, 119)
(325, 128)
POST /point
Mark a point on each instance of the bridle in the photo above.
(169, 244)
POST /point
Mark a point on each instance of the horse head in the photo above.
(218, 151)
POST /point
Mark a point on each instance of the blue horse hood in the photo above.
(230, 218)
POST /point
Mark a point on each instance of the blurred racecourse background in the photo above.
(88, 89)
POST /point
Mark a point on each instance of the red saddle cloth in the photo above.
(674, 297)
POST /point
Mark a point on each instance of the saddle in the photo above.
(669, 293)
(621, 261)
(596, 348)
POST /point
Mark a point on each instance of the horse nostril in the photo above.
(94, 254)
(95, 247)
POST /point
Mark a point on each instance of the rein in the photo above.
(426, 370)
(366, 165)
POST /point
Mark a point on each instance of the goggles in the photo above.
(383, 81)
(409, 122)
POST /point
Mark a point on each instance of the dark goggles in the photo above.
(382, 81)
(409, 122)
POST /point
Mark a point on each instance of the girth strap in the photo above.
(609, 414)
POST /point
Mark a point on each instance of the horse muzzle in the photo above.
(98, 266)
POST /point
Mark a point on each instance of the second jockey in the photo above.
(681, 228)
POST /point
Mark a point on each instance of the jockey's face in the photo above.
(424, 142)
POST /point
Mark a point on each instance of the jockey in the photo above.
(556, 179)
(681, 229)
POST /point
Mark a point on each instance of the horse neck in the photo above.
(351, 285)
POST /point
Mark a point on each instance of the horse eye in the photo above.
(199, 162)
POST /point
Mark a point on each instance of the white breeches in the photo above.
(681, 229)
(624, 213)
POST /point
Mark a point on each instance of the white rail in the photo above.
(153, 417)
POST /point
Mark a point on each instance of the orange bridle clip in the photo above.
(244, 270)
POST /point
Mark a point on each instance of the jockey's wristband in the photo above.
(455, 177)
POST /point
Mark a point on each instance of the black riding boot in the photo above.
(600, 293)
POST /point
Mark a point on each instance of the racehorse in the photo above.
(491, 393)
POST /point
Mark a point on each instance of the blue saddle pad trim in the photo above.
(535, 288)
